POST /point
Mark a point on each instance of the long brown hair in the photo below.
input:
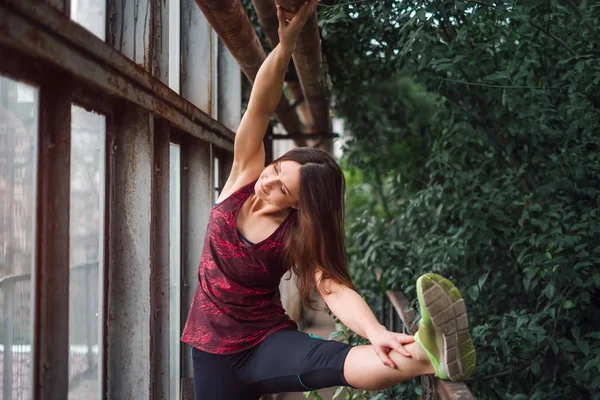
(315, 239)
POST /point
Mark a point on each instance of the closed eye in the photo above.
(277, 169)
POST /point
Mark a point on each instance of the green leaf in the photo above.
(568, 304)
(520, 321)
(482, 279)
(338, 392)
(535, 367)
(584, 347)
(473, 292)
(549, 291)
(593, 363)
(496, 76)
(593, 335)
(575, 332)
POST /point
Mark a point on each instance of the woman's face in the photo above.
(279, 184)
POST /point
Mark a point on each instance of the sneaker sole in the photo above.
(448, 314)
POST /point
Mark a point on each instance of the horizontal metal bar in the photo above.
(280, 136)
(72, 48)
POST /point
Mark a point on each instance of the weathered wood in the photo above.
(77, 51)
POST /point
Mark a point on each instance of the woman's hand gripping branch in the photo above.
(249, 155)
(291, 24)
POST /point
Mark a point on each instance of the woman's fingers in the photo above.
(400, 349)
(300, 16)
(405, 339)
(306, 10)
(280, 16)
(384, 357)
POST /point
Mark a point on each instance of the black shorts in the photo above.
(286, 361)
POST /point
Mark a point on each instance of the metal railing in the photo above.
(397, 313)
(16, 332)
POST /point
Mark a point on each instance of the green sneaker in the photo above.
(443, 329)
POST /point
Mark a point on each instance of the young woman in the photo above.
(290, 215)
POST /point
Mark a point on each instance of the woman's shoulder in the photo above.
(236, 184)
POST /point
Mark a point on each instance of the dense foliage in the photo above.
(476, 153)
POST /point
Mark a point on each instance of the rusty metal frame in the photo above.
(51, 323)
(40, 45)
(131, 155)
(45, 33)
(160, 277)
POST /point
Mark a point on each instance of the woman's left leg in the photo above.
(363, 368)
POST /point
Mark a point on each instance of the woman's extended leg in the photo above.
(363, 368)
(442, 344)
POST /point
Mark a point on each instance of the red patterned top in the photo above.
(237, 302)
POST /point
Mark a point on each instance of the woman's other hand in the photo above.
(291, 24)
(384, 341)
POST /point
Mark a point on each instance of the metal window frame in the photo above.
(44, 32)
(41, 46)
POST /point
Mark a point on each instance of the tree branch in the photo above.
(553, 37)
(499, 86)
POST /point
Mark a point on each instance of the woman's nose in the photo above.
(269, 181)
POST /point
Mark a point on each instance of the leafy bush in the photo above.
(480, 160)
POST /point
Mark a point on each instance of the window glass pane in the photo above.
(86, 253)
(91, 14)
(18, 142)
(216, 178)
(175, 269)
(174, 44)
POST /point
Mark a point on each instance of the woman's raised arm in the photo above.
(249, 153)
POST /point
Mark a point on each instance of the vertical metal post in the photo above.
(8, 312)
(129, 271)
(51, 332)
(196, 196)
(91, 329)
(159, 295)
(268, 143)
(214, 75)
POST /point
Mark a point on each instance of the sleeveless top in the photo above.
(237, 302)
